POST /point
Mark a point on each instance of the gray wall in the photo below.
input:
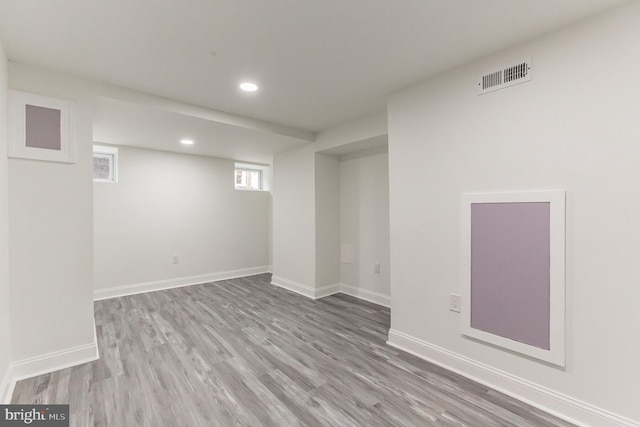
(5, 325)
(574, 126)
(327, 193)
(364, 222)
(51, 233)
(167, 204)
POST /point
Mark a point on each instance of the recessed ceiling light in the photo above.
(248, 87)
(186, 141)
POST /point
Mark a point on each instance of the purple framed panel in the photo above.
(512, 270)
(510, 267)
(42, 127)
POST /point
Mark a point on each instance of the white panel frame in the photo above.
(17, 128)
(556, 199)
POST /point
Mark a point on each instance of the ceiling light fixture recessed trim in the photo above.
(248, 86)
(186, 141)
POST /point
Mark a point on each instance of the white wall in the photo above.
(167, 204)
(5, 324)
(51, 233)
(574, 126)
(364, 221)
(327, 192)
(295, 225)
(356, 133)
(293, 247)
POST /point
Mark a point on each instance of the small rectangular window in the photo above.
(248, 179)
(251, 177)
(105, 164)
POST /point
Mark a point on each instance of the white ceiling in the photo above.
(123, 123)
(319, 63)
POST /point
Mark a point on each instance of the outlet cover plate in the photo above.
(455, 304)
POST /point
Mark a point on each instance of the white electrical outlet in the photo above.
(454, 304)
(176, 259)
(376, 268)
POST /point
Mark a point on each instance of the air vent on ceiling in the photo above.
(505, 77)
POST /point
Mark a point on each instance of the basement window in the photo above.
(250, 177)
(105, 164)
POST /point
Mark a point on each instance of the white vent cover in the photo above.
(505, 77)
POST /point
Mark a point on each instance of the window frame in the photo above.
(261, 170)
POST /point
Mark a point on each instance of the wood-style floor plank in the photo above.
(243, 352)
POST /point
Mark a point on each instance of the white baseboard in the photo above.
(45, 364)
(316, 293)
(292, 286)
(367, 295)
(558, 404)
(305, 290)
(327, 290)
(138, 288)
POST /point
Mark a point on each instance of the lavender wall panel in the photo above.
(42, 127)
(510, 271)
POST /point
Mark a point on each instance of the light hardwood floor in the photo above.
(243, 352)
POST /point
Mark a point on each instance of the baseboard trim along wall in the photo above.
(558, 404)
(324, 291)
(45, 364)
(305, 290)
(139, 288)
(365, 294)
